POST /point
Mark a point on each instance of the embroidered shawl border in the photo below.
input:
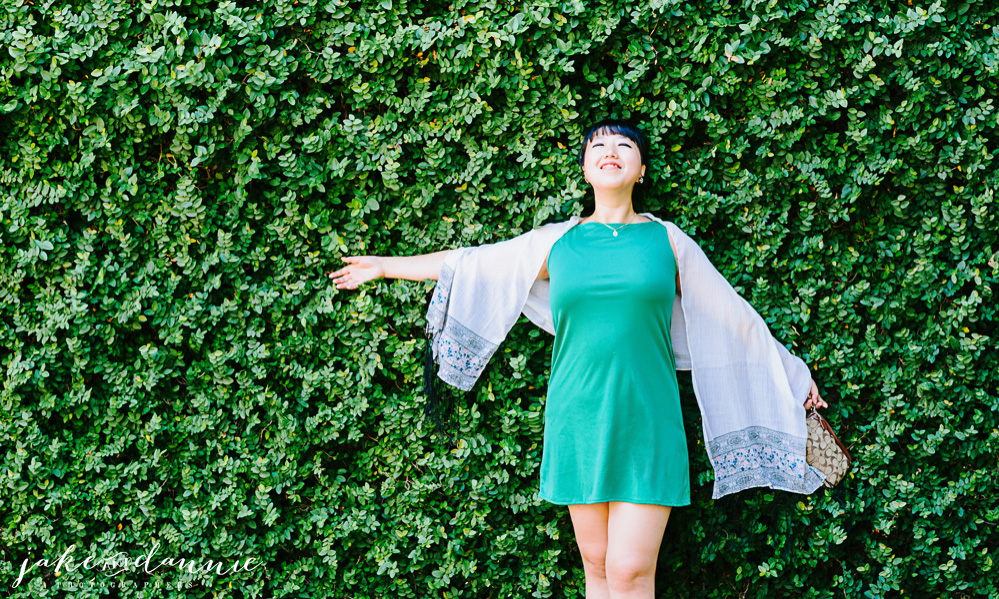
(466, 353)
(761, 457)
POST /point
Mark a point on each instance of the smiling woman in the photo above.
(614, 448)
(621, 143)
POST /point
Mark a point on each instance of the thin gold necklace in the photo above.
(615, 229)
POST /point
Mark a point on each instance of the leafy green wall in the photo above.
(177, 176)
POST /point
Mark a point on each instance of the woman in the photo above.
(614, 445)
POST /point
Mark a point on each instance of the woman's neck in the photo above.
(612, 214)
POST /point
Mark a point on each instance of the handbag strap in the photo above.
(828, 427)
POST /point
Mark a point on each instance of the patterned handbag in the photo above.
(824, 450)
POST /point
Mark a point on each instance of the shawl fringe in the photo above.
(440, 406)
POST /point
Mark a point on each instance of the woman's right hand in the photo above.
(359, 270)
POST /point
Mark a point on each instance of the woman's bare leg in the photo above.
(634, 534)
(590, 524)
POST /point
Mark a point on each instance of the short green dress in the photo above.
(613, 424)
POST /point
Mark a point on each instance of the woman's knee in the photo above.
(594, 554)
(626, 570)
(594, 566)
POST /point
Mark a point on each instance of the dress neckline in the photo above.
(612, 224)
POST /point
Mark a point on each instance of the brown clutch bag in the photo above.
(825, 451)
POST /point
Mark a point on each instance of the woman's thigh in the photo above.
(589, 521)
(634, 534)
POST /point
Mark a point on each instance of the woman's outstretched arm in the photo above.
(368, 268)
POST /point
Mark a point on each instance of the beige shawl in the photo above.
(749, 387)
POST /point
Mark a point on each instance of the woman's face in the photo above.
(612, 160)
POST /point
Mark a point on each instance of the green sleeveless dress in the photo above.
(613, 425)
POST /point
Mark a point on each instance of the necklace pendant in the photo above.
(615, 233)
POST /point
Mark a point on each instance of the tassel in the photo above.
(780, 497)
(439, 408)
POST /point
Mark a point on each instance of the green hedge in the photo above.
(177, 176)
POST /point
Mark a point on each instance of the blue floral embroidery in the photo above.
(762, 457)
(461, 354)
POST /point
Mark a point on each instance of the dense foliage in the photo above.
(177, 176)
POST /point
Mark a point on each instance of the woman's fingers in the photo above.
(346, 280)
(814, 399)
(346, 283)
(345, 269)
(359, 270)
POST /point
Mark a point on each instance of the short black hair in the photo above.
(631, 131)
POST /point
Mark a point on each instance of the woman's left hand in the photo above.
(814, 399)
